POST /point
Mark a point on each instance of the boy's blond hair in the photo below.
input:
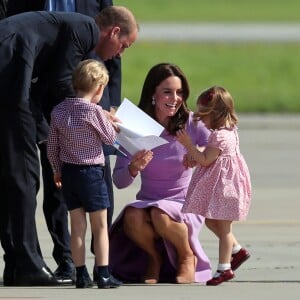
(88, 75)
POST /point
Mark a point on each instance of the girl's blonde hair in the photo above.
(218, 104)
(89, 74)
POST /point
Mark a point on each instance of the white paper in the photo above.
(138, 131)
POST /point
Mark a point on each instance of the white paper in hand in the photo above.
(138, 131)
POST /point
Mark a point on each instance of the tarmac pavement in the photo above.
(220, 32)
(270, 144)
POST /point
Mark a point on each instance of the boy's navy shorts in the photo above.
(84, 186)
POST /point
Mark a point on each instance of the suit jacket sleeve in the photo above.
(112, 94)
(69, 48)
(19, 6)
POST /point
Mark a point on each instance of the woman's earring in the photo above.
(153, 101)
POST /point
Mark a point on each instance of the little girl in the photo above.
(220, 189)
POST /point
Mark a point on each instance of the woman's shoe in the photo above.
(220, 277)
(186, 270)
(153, 270)
(239, 258)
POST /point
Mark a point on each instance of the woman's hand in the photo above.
(186, 141)
(139, 161)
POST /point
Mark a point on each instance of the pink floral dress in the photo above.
(221, 191)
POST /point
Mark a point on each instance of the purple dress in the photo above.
(164, 184)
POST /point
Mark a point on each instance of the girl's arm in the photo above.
(205, 158)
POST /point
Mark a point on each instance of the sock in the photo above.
(223, 267)
(236, 248)
(81, 270)
(103, 271)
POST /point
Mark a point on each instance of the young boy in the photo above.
(77, 130)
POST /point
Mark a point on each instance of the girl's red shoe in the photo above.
(239, 258)
(221, 276)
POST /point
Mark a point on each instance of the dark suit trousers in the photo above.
(55, 211)
(19, 162)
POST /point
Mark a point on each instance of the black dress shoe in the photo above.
(9, 274)
(83, 279)
(43, 277)
(83, 282)
(108, 282)
(8, 277)
(65, 273)
(9, 270)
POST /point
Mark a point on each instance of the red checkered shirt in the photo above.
(77, 130)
